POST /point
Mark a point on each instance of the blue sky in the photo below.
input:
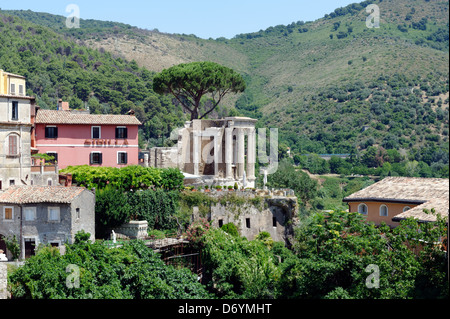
(204, 18)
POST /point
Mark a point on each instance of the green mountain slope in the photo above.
(330, 86)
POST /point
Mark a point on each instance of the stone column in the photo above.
(251, 154)
(217, 152)
(229, 152)
(196, 152)
(240, 153)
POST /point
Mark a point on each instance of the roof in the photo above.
(39, 194)
(14, 75)
(69, 117)
(427, 193)
(403, 189)
(24, 97)
(440, 206)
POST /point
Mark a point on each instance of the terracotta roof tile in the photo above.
(39, 194)
(404, 189)
(440, 206)
(69, 117)
(426, 192)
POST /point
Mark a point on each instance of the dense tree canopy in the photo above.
(190, 82)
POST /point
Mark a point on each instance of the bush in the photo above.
(231, 229)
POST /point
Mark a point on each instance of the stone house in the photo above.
(45, 215)
(395, 198)
(15, 130)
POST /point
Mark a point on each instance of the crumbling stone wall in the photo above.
(3, 281)
(253, 213)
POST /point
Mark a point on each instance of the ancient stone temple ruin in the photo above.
(212, 152)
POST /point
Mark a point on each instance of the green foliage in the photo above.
(82, 237)
(334, 249)
(288, 177)
(111, 210)
(190, 82)
(231, 229)
(57, 67)
(126, 178)
(238, 268)
(13, 245)
(132, 271)
(157, 207)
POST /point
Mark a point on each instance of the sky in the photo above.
(203, 18)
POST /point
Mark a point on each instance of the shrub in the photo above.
(231, 229)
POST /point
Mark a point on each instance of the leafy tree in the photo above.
(287, 176)
(190, 82)
(132, 271)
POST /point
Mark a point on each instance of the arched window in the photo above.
(383, 210)
(362, 209)
(406, 208)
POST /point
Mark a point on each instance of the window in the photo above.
(53, 214)
(77, 212)
(13, 89)
(122, 158)
(121, 132)
(29, 213)
(15, 111)
(220, 223)
(96, 132)
(49, 182)
(12, 182)
(274, 221)
(8, 213)
(13, 142)
(96, 158)
(20, 89)
(247, 222)
(406, 208)
(383, 210)
(362, 209)
(51, 132)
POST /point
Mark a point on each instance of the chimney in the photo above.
(63, 106)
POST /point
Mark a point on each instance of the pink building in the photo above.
(79, 138)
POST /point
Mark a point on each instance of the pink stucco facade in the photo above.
(74, 144)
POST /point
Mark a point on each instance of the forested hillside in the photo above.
(331, 86)
(56, 67)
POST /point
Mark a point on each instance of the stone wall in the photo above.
(133, 230)
(252, 213)
(3, 281)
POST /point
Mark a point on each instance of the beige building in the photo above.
(395, 198)
(213, 152)
(15, 130)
